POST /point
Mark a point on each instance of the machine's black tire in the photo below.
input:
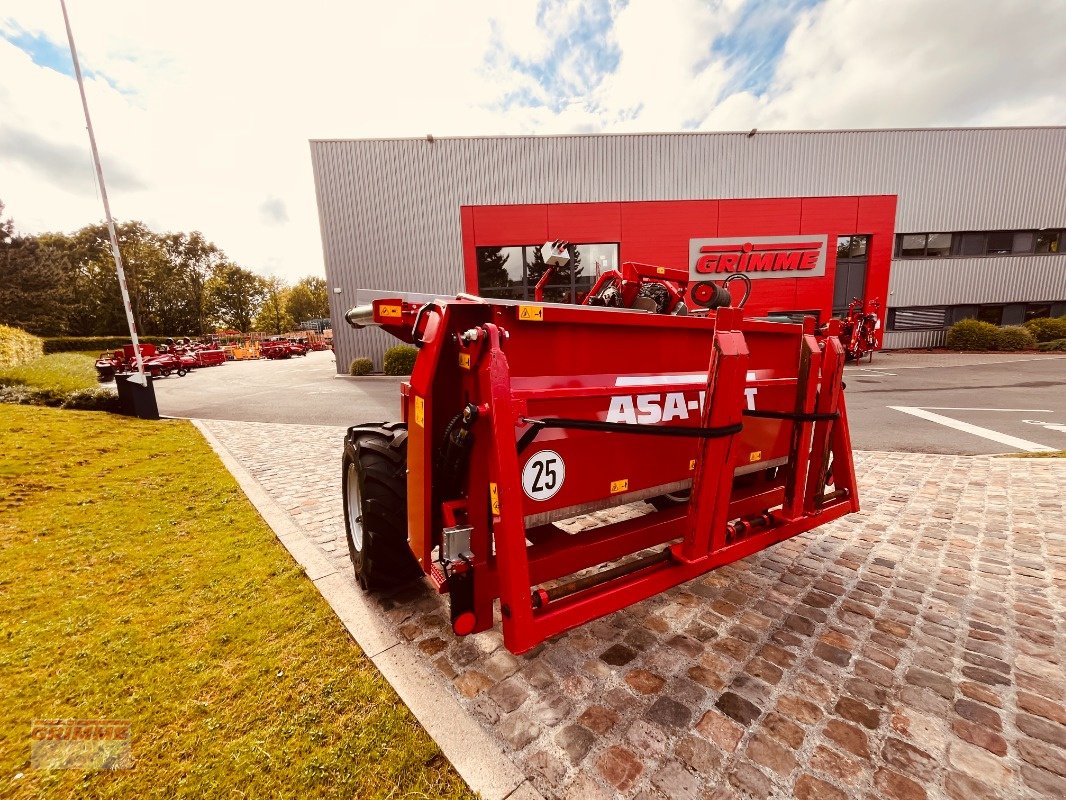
(374, 484)
(182, 372)
(165, 373)
(665, 501)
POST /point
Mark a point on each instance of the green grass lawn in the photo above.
(138, 583)
(65, 372)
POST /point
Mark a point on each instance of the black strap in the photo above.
(623, 427)
(795, 416)
(536, 425)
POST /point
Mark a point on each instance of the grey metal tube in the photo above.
(360, 316)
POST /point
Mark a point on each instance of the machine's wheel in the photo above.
(165, 373)
(182, 372)
(665, 501)
(374, 481)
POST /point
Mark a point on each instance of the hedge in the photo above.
(361, 366)
(972, 334)
(1014, 337)
(1056, 346)
(95, 399)
(1047, 329)
(400, 360)
(64, 344)
(18, 347)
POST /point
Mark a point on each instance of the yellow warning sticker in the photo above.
(619, 486)
(692, 464)
(390, 311)
(464, 360)
(755, 456)
(660, 270)
(494, 493)
(420, 412)
(531, 313)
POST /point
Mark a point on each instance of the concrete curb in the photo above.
(485, 767)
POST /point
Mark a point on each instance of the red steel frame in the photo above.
(511, 362)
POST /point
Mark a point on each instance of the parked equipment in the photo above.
(644, 287)
(518, 416)
(859, 329)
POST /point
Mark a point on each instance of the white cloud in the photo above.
(203, 109)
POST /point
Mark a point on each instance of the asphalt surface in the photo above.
(939, 403)
(1006, 397)
(297, 391)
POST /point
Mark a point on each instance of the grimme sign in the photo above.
(758, 256)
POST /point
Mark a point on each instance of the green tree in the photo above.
(234, 297)
(558, 290)
(492, 268)
(273, 316)
(308, 299)
(34, 292)
(196, 259)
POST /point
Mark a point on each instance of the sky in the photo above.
(203, 110)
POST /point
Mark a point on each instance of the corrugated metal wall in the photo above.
(895, 340)
(989, 279)
(389, 208)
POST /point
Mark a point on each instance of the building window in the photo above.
(993, 314)
(912, 245)
(923, 245)
(928, 318)
(979, 243)
(973, 244)
(1023, 243)
(1050, 241)
(1037, 311)
(852, 246)
(938, 244)
(512, 272)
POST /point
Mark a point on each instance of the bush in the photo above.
(18, 347)
(1057, 346)
(1047, 329)
(972, 334)
(361, 366)
(400, 360)
(1014, 337)
(95, 399)
(64, 344)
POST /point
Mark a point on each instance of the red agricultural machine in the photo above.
(518, 416)
(156, 363)
(859, 329)
(283, 348)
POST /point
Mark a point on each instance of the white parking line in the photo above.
(977, 430)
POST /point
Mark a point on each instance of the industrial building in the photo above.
(935, 225)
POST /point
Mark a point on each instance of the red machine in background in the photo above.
(520, 415)
(644, 287)
(158, 364)
(860, 329)
(282, 348)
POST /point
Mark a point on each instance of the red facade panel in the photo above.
(658, 232)
(823, 214)
(876, 214)
(506, 225)
(759, 217)
(585, 222)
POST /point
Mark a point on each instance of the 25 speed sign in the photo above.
(543, 475)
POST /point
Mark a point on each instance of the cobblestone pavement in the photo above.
(913, 650)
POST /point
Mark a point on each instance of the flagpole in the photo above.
(140, 377)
